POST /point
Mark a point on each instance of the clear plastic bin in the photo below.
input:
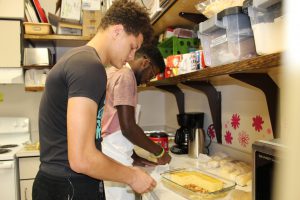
(211, 7)
(227, 37)
(267, 23)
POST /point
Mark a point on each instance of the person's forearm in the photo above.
(136, 135)
(99, 166)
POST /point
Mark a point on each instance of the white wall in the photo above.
(18, 103)
(237, 98)
(152, 108)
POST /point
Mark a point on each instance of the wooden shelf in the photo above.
(57, 37)
(256, 64)
(170, 15)
(35, 89)
(37, 66)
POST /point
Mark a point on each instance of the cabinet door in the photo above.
(12, 9)
(26, 189)
(10, 40)
(28, 167)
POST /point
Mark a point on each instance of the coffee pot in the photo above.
(188, 139)
(185, 121)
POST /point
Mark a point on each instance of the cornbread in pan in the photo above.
(197, 181)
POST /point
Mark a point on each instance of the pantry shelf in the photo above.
(37, 66)
(257, 64)
(169, 16)
(57, 37)
(34, 89)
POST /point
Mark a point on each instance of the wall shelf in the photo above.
(256, 64)
(34, 88)
(57, 37)
(169, 16)
(37, 66)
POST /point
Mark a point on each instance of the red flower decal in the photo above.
(228, 137)
(226, 124)
(235, 121)
(243, 138)
(257, 123)
(211, 131)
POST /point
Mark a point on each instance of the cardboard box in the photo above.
(191, 62)
(172, 65)
(37, 28)
(91, 4)
(91, 21)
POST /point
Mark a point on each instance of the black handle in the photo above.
(193, 17)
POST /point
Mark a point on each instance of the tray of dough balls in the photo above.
(193, 183)
(229, 168)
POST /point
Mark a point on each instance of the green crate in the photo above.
(175, 45)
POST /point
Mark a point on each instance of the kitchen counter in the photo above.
(28, 152)
(179, 161)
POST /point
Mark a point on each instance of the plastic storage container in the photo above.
(227, 37)
(267, 23)
(211, 7)
(175, 45)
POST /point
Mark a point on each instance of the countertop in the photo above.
(28, 152)
(182, 161)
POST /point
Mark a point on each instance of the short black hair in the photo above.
(134, 18)
(152, 53)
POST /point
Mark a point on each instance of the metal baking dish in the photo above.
(195, 195)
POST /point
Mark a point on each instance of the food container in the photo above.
(160, 138)
(227, 37)
(191, 183)
(191, 62)
(37, 28)
(267, 21)
(172, 65)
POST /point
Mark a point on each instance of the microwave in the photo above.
(267, 156)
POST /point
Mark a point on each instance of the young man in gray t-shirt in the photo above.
(72, 165)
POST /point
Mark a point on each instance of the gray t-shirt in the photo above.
(79, 73)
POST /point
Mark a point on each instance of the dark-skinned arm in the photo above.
(136, 135)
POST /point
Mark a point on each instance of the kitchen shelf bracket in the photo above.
(214, 100)
(266, 84)
(177, 92)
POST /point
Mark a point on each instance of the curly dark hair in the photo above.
(131, 15)
(152, 53)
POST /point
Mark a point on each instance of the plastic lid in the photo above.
(230, 11)
(246, 5)
(158, 135)
(265, 3)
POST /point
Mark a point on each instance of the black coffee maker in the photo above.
(187, 122)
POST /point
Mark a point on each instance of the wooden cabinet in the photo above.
(10, 40)
(26, 189)
(28, 168)
(12, 9)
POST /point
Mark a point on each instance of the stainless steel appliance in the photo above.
(267, 156)
(13, 133)
(37, 57)
(185, 135)
(196, 144)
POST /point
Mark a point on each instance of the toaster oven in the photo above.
(267, 156)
